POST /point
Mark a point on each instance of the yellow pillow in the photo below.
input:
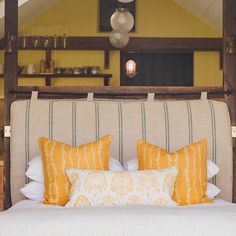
(108, 188)
(58, 157)
(191, 161)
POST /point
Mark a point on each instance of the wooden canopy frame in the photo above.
(228, 92)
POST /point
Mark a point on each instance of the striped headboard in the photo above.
(169, 124)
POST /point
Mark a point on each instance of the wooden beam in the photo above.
(10, 82)
(135, 44)
(121, 92)
(230, 72)
(174, 44)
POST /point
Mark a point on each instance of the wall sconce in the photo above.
(230, 42)
(131, 68)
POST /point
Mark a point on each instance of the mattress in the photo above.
(29, 218)
(26, 204)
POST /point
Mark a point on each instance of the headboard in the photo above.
(169, 124)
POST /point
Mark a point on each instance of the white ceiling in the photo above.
(210, 11)
(27, 9)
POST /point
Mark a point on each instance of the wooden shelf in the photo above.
(48, 77)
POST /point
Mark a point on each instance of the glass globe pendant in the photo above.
(125, 1)
(122, 20)
(118, 39)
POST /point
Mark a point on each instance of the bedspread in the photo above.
(123, 221)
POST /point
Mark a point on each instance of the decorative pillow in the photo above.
(212, 168)
(33, 191)
(35, 170)
(191, 162)
(212, 190)
(58, 157)
(107, 188)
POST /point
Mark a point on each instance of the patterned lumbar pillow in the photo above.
(107, 188)
(191, 161)
(58, 157)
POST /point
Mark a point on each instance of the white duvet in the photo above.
(30, 218)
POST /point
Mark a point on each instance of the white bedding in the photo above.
(29, 218)
(24, 204)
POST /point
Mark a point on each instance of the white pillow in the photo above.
(33, 191)
(35, 170)
(212, 190)
(212, 168)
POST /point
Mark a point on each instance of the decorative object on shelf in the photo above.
(131, 68)
(42, 67)
(77, 70)
(23, 41)
(231, 44)
(59, 70)
(51, 66)
(122, 20)
(86, 70)
(31, 69)
(95, 70)
(64, 39)
(36, 42)
(19, 69)
(68, 71)
(118, 39)
(46, 42)
(55, 41)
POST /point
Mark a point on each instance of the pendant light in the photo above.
(122, 20)
(125, 1)
(118, 39)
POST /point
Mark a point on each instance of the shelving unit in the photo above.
(73, 43)
(48, 77)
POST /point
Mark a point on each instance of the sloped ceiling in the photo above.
(210, 11)
(27, 9)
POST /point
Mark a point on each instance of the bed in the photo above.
(170, 124)
(209, 219)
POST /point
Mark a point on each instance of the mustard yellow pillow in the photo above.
(191, 161)
(58, 157)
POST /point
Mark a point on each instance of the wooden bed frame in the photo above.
(227, 93)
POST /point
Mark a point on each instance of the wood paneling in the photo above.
(1, 185)
(10, 82)
(230, 71)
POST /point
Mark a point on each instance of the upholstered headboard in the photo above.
(169, 124)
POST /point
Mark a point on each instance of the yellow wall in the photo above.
(155, 18)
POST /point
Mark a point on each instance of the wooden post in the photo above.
(229, 11)
(10, 82)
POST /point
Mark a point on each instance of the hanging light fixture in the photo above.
(122, 20)
(118, 39)
(131, 68)
(125, 1)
